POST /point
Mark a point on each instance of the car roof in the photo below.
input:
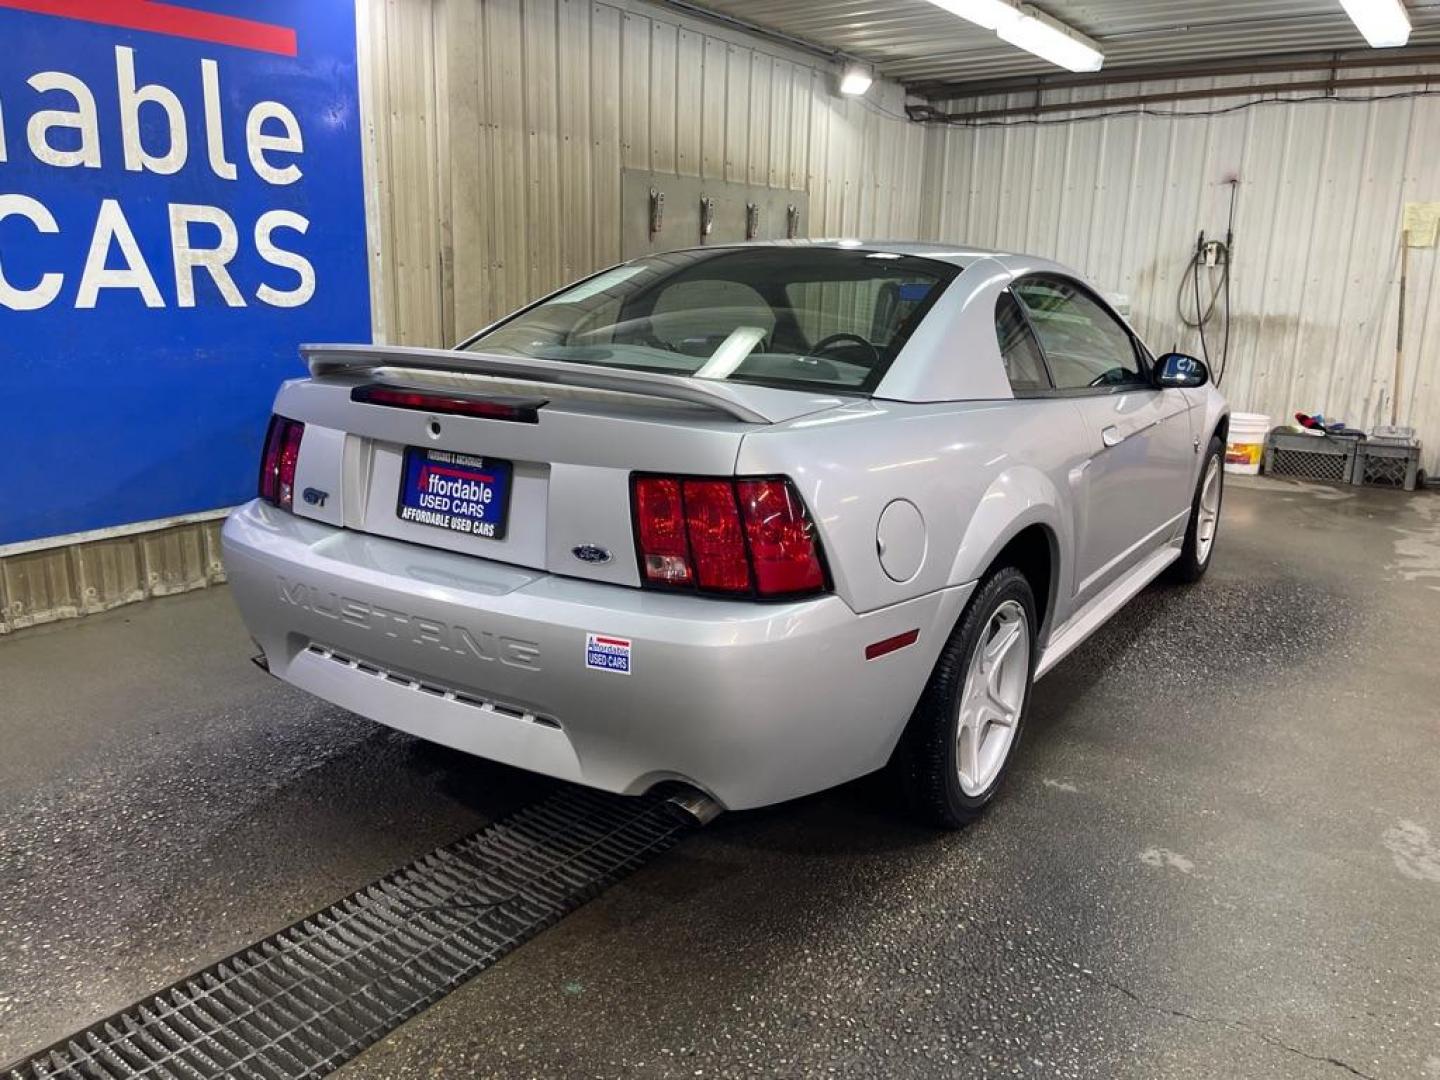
(960, 255)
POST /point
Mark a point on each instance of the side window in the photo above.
(1084, 344)
(1024, 366)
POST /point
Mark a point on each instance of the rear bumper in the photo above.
(754, 703)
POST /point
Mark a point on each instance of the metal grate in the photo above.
(311, 997)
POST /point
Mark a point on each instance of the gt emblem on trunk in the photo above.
(591, 553)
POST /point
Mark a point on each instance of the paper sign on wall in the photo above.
(1421, 224)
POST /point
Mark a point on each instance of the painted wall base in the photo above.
(93, 575)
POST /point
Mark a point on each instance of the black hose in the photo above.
(1229, 259)
(1192, 275)
(1225, 347)
(1205, 310)
(1201, 319)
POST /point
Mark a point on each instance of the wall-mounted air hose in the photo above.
(1215, 255)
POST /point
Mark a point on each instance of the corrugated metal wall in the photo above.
(500, 129)
(43, 585)
(1317, 229)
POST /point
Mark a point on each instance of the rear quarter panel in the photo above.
(977, 471)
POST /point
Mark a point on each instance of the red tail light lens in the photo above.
(782, 540)
(660, 521)
(717, 543)
(520, 410)
(737, 538)
(278, 461)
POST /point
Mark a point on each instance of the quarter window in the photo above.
(1024, 366)
(1084, 344)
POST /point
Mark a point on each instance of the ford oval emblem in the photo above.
(591, 553)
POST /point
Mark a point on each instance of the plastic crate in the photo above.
(1310, 457)
(1391, 465)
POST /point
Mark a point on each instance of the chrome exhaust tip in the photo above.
(695, 806)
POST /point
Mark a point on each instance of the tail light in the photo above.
(520, 410)
(278, 461)
(727, 537)
(717, 541)
(660, 521)
(782, 541)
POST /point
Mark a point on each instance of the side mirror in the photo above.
(1176, 371)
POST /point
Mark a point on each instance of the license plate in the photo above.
(459, 492)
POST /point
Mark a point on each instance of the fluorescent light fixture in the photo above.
(1052, 40)
(1383, 22)
(991, 14)
(1035, 32)
(856, 80)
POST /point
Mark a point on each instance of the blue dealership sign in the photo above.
(181, 205)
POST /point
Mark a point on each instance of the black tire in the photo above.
(1191, 566)
(928, 768)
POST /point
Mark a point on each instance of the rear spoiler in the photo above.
(358, 359)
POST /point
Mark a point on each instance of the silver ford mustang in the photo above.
(753, 519)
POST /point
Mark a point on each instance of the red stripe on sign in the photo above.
(612, 641)
(890, 644)
(171, 19)
(441, 470)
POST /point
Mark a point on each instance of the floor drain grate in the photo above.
(311, 997)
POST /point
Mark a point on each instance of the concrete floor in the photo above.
(1219, 854)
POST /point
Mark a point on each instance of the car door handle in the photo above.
(1112, 436)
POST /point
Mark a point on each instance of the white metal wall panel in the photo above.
(501, 128)
(1322, 189)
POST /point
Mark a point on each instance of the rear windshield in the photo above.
(806, 318)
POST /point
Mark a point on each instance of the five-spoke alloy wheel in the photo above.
(967, 724)
(1204, 523)
(994, 694)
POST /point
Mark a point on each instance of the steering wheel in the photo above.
(1116, 376)
(842, 337)
(650, 341)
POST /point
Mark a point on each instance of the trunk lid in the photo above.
(566, 476)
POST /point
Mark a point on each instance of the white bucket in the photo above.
(1246, 442)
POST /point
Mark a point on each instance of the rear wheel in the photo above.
(967, 724)
(1204, 517)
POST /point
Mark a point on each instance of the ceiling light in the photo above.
(1035, 32)
(1052, 40)
(856, 80)
(991, 14)
(1383, 22)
